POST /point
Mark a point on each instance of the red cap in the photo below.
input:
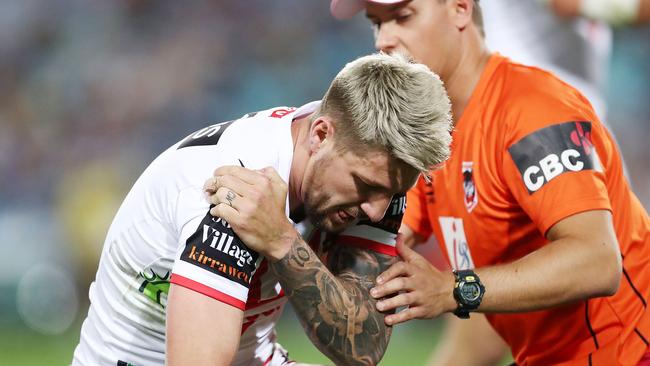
(346, 9)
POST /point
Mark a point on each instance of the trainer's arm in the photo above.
(581, 261)
(334, 305)
(192, 319)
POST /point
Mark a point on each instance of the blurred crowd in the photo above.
(92, 91)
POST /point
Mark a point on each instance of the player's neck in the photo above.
(299, 136)
(463, 79)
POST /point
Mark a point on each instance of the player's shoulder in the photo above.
(527, 86)
(254, 140)
(254, 131)
(529, 98)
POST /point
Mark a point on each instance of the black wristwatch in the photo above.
(468, 292)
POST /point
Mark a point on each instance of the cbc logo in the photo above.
(549, 167)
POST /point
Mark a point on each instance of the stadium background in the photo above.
(92, 91)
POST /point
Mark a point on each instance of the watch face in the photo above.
(470, 291)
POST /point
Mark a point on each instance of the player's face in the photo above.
(422, 29)
(341, 186)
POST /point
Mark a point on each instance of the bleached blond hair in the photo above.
(388, 102)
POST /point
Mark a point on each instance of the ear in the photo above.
(462, 11)
(321, 132)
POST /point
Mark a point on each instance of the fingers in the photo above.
(245, 175)
(228, 197)
(406, 253)
(226, 212)
(233, 183)
(404, 315)
(396, 270)
(271, 174)
(404, 299)
(209, 187)
(391, 287)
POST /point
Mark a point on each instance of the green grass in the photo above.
(410, 344)
(21, 346)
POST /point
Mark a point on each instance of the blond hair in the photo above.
(388, 102)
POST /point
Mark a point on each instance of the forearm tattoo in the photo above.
(336, 308)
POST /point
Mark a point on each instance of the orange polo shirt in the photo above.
(528, 152)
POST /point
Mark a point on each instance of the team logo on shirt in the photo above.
(281, 112)
(469, 187)
(216, 248)
(552, 151)
(155, 285)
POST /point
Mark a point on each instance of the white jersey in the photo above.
(163, 233)
(576, 50)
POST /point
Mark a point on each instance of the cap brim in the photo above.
(346, 9)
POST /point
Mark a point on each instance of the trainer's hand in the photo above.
(415, 283)
(253, 202)
(409, 237)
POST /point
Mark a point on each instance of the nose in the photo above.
(375, 207)
(384, 39)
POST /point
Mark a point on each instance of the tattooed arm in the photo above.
(335, 307)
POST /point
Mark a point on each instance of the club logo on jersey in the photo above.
(453, 233)
(155, 286)
(281, 112)
(392, 218)
(216, 248)
(206, 136)
(469, 187)
(552, 151)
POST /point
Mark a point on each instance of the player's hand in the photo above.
(253, 202)
(415, 283)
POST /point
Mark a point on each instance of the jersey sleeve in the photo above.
(377, 236)
(556, 154)
(416, 216)
(212, 260)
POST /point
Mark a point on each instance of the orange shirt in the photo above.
(528, 152)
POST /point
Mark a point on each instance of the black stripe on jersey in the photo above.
(206, 136)
(216, 248)
(591, 330)
(642, 337)
(638, 294)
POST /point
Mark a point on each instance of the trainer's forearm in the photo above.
(337, 313)
(561, 272)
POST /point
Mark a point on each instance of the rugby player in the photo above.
(179, 286)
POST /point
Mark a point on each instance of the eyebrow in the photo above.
(374, 183)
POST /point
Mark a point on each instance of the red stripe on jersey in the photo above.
(255, 292)
(208, 291)
(366, 244)
(250, 305)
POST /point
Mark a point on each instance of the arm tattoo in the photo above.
(335, 308)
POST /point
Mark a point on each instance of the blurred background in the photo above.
(92, 91)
